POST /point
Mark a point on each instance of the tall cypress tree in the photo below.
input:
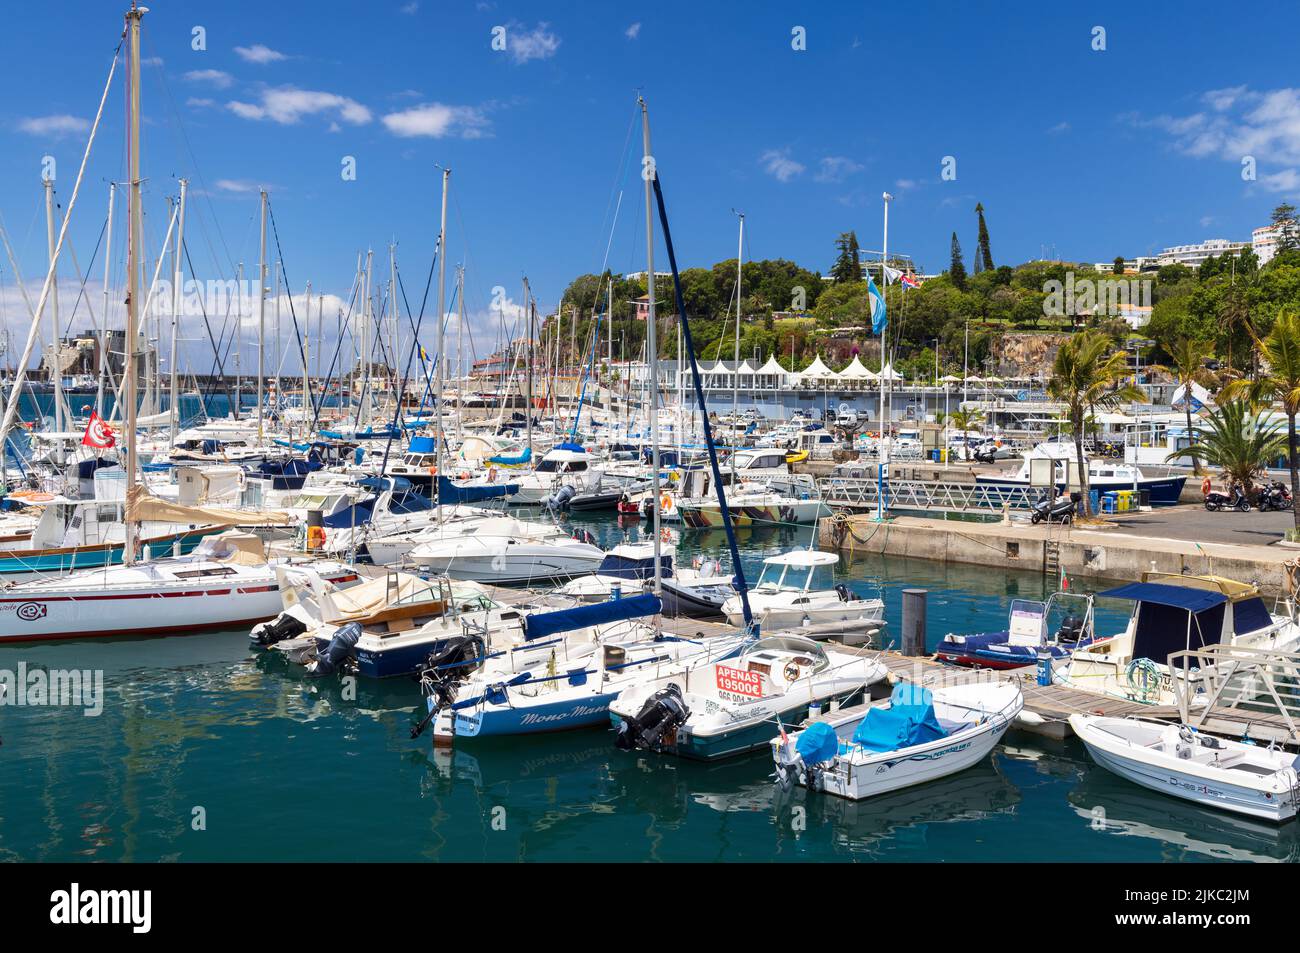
(846, 262)
(855, 256)
(957, 270)
(984, 258)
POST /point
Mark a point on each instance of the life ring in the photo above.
(791, 671)
(1206, 485)
(665, 502)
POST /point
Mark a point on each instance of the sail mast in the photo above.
(103, 317)
(442, 314)
(652, 344)
(173, 399)
(261, 318)
(133, 18)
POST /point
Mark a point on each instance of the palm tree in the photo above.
(1281, 352)
(1087, 375)
(1239, 440)
(1188, 367)
(964, 421)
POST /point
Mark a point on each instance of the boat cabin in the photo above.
(801, 562)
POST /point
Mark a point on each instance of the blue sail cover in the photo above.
(449, 493)
(513, 461)
(422, 445)
(818, 743)
(625, 567)
(909, 720)
(541, 624)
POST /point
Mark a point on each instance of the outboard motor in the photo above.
(441, 674)
(843, 592)
(656, 723)
(285, 626)
(1071, 629)
(331, 659)
(559, 500)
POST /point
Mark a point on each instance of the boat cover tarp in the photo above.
(629, 567)
(541, 624)
(422, 445)
(909, 720)
(513, 461)
(818, 743)
(338, 606)
(359, 514)
(1178, 597)
(232, 546)
(142, 506)
(449, 493)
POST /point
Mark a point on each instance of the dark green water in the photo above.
(282, 769)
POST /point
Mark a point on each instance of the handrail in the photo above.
(927, 495)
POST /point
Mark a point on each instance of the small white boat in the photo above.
(775, 603)
(504, 550)
(1178, 760)
(920, 735)
(624, 570)
(731, 707)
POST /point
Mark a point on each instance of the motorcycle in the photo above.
(1217, 500)
(1275, 496)
(1060, 510)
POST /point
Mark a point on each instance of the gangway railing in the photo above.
(856, 493)
(1253, 683)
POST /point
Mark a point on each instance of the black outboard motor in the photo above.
(1071, 629)
(843, 592)
(441, 674)
(266, 634)
(559, 500)
(333, 656)
(656, 723)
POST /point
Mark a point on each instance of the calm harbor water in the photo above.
(198, 733)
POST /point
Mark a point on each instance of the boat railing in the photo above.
(1215, 681)
(858, 493)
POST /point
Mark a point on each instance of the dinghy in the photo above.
(920, 735)
(1183, 762)
(1024, 639)
(731, 707)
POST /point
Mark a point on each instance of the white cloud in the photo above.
(836, 169)
(539, 43)
(633, 31)
(200, 102)
(57, 125)
(288, 104)
(237, 185)
(1059, 128)
(214, 77)
(436, 121)
(260, 54)
(905, 185)
(1240, 122)
(1207, 221)
(410, 8)
(778, 164)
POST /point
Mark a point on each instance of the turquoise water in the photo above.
(196, 729)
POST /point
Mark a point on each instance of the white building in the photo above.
(1264, 240)
(1193, 255)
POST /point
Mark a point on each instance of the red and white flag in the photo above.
(98, 434)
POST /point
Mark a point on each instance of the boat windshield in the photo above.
(793, 645)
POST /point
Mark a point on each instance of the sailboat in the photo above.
(228, 582)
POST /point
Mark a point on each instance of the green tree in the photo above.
(1288, 233)
(1117, 267)
(1087, 375)
(1280, 350)
(846, 263)
(957, 269)
(984, 256)
(1188, 357)
(1239, 441)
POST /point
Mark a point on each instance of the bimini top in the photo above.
(1178, 597)
(803, 559)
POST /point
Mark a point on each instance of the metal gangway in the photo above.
(1233, 689)
(951, 497)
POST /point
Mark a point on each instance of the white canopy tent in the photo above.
(887, 373)
(857, 371)
(817, 371)
(771, 374)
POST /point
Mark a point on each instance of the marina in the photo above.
(365, 514)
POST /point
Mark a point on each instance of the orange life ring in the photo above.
(665, 502)
(1206, 486)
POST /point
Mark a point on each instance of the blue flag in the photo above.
(878, 318)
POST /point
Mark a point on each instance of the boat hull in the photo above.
(1163, 491)
(18, 564)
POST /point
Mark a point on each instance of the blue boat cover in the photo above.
(513, 461)
(358, 515)
(1178, 597)
(379, 484)
(909, 720)
(625, 567)
(570, 446)
(422, 445)
(541, 624)
(449, 493)
(817, 744)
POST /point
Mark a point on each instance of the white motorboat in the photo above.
(1103, 475)
(732, 706)
(919, 735)
(1173, 613)
(776, 603)
(624, 569)
(227, 582)
(505, 550)
(1185, 763)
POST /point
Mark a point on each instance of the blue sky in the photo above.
(1079, 153)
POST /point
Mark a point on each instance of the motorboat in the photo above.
(1180, 761)
(730, 707)
(784, 502)
(1025, 639)
(504, 550)
(919, 735)
(1103, 475)
(1174, 613)
(699, 592)
(226, 582)
(776, 603)
(625, 569)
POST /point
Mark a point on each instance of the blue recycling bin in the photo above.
(1094, 500)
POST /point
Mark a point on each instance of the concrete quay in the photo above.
(1101, 551)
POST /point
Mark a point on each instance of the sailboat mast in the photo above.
(103, 317)
(735, 374)
(306, 364)
(652, 344)
(133, 17)
(173, 399)
(261, 317)
(442, 314)
(56, 370)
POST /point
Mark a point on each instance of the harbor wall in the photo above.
(1026, 548)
